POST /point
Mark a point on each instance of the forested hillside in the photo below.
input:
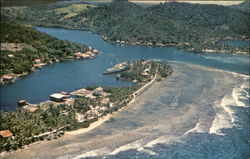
(193, 27)
(21, 45)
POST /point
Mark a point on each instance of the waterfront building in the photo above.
(22, 103)
(57, 97)
(7, 78)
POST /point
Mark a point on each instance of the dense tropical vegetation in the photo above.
(145, 71)
(27, 126)
(29, 45)
(193, 27)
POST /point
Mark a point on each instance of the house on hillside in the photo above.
(5, 133)
(22, 103)
(37, 61)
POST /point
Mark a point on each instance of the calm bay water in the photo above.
(73, 75)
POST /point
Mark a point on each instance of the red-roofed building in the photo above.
(37, 61)
(144, 62)
(87, 56)
(6, 133)
(77, 54)
(7, 77)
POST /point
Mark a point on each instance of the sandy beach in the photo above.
(91, 126)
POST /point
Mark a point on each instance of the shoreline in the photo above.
(33, 69)
(92, 125)
(180, 46)
(158, 44)
(103, 119)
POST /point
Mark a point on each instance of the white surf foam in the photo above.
(199, 128)
(227, 118)
(160, 140)
(240, 95)
(141, 146)
(237, 95)
(218, 124)
(147, 151)
(130, 146)
(93, 153)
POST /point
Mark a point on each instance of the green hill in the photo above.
(21, 45)
(193, 27)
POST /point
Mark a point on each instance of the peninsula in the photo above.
(67, 112)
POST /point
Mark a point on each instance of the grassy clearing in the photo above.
(74, 8)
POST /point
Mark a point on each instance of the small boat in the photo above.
(117, 68)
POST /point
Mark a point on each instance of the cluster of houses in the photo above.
(37, 64)
(146, 71)
(145, 43)
(141, 43)
(87, 55)
(98, 110)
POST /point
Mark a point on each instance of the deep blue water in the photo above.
(69, 76)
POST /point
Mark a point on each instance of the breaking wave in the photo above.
(225, 115)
